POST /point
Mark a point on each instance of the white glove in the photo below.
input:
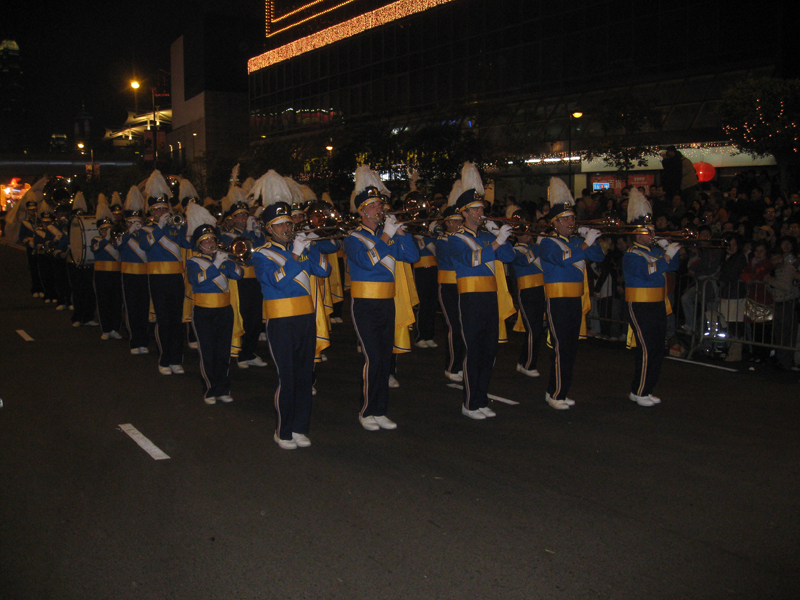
(583, 231)
(591, 236)
(219, 258)
(390, 226)
(672, 249)
(162, 221)
(402, 228)
(300, 243)
(540, 238)
(663, 243)
(311, 235)
(491, 227)
(503, 234)
(251, 223)
(135, 226)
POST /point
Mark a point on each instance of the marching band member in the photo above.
(60, 246)
(81, 275)
(163, 242)
(27, 237)
(645, 266)
(448, 291)
(44, 239)
(372, 251)
(474, 254)
(133, 265)
(530, 296)
(107, 273)
(250, 305)
(563, 260)
(212, 315)
(283, 267)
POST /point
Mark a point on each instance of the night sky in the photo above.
(86, 53)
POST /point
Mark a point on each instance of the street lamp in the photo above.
(135, 85)
(81, 147)
(573, 115)
(194, 135)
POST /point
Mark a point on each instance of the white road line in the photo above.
(143, 442)
(24, 335)
(699, 364)
(490, 396)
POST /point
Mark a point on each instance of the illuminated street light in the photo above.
(135, 85)
(573, 115)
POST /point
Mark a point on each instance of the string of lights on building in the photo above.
(370, 20)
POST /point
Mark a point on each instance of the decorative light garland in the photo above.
(376, 18)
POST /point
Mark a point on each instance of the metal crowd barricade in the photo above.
(746, 314)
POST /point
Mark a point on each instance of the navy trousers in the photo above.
(167, 293)
(564, 317)
(136, 296)
(251, 304)
(426, 280)
(214, 328)
(649, 322)
(291, 344)
(480, 325)
(108, 290)
(448, 298)
(531, 304)
(373, 319)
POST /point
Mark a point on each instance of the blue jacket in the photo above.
(371, 261)
(285, 281)
(473, 258)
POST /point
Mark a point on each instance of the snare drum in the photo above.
(81, 232)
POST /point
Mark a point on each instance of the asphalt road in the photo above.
(693, 498)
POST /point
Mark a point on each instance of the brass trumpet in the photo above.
(176, 220)
(240, 249)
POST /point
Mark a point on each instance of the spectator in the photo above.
(782, 284)
(704, 266)
(732, 294)
(759, 299)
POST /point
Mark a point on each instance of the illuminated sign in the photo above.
(370, 20)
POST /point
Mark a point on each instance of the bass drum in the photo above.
(81, 231)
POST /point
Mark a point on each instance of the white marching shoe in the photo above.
(528, 372)
(557, 404)
(641, 400)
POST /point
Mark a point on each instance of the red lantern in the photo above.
(705, 171)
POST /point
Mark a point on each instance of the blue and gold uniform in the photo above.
(212, 319)
(645, 295)
(531, 300)
(426, 279)
(371, 263)
(165, 272)
(474, 261)
(27, 235)
(563, 263)
(286, 285)
(563, 259)
(107, 283)
(135, 289)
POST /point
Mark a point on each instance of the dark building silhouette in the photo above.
(511, 70)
